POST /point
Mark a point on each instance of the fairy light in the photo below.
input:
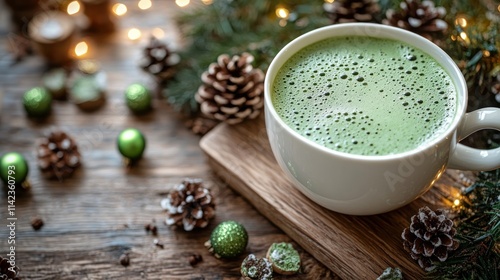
(119, 9)
(461, 21)
(145, 4)
(498, 8)
(329, 1)
(282, 12)
(486, 53)
(453, 37)
(158, 32)
(207, 2)
(182, 3)
(81, 49)
(73, 7)
(134, 34)
(463, 35)
(456, 202)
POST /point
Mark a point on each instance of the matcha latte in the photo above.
(365, 96)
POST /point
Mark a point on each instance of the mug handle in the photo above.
(467, 158)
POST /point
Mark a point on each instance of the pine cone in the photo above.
(7, 271)
(189, 205)
(58, 155)
(422, 18)
(341, 11)
(158, 60)
(253, 268)
(429, 237)
(232, 89)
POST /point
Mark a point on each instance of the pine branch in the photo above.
(478, 231)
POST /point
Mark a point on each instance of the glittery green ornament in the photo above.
(138, 98)
(229, 239)
(131, 144)
(14, 169)
(37, 102)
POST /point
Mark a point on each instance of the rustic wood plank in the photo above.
(353, 247)
(100, 212)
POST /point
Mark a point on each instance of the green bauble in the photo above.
(131, 143)
(138, 98)
(13, 169)
(229, 239)
(37, 102)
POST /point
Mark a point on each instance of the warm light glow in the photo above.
(158, 33)
(456, 202)
(282, 12)
(461, 21)
(329, 1)
(498, 8)
(486, 53)
(81, 48)
(182, 3)
(73, 7)
(209, 2)
(453, 37)
(283, 22)
(134, 34)
(144, 4)
(119, 9)
(463, 35)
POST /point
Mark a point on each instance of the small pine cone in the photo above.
(253, 268)
(189, 205)
(429, 237)
(58, 155)
(341, 11)
(232, 89)
(419, 17)
(7, 271)
(158, 60)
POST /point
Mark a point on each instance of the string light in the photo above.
(119, 9)
(282, 12)
(144, 4)
(486, 53)
(463, 35)
(329, 1)
(207, 2)
(182, 3)
(461, 21)
(456, 202)
(158, 32)
(81, 49)
(134, 34)
(73, 7)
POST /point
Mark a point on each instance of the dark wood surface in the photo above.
(353, 247)
(94, 217)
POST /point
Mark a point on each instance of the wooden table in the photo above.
(94, 217)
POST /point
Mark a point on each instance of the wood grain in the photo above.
(100, 212)
(353, 247)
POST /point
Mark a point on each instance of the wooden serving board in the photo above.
(353, 247)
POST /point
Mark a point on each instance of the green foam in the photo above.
(365, 95)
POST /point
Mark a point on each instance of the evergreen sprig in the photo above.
(478, 231)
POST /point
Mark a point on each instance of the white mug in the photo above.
(367, 185)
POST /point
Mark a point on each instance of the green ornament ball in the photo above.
(131, 143)
(138, 98)
(229, 239)
(37, 102)
(13, 168)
